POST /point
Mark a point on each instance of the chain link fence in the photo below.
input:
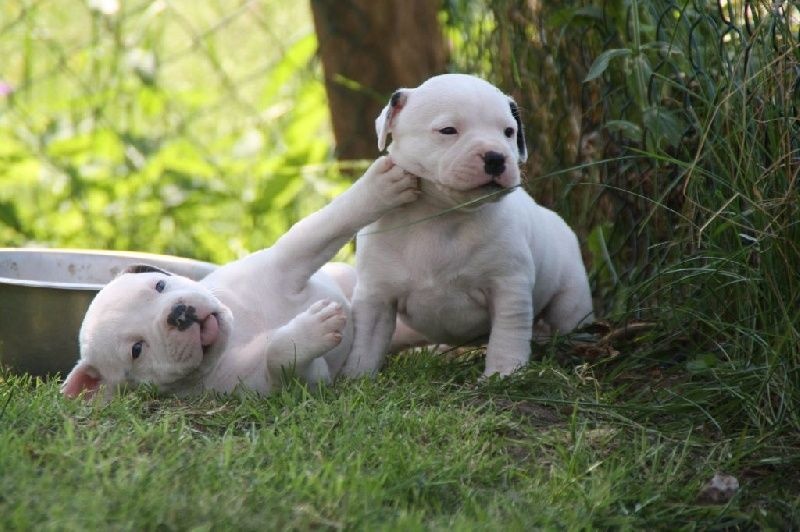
(166, 125)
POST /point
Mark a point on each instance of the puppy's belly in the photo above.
(452, 316)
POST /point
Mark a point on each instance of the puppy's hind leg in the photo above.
(405, 337)
(570, 308)
(297, 347)
(344, 275)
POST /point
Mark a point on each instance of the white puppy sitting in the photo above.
(458, 275)
(249, 322)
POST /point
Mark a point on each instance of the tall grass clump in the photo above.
(732, 283)
(718, 130)
(675, 155)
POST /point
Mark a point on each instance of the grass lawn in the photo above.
(425, 446)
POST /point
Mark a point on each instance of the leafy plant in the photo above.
(163, 129)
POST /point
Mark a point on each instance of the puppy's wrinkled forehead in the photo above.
(125, 296)
(124, 290)
(466, 96)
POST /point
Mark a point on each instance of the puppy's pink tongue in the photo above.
(209, 330)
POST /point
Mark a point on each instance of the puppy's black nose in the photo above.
(494, 163)
(182, 316)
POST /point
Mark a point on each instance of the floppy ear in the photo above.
(521, 147)
(383, 124)
(83, 378)
(143, 268)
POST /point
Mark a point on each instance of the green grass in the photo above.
(425, 446)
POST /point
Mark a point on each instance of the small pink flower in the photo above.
(5, 89)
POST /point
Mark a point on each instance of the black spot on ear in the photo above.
(521, 147)
(395, 99)
(143, 268)
(383, 124)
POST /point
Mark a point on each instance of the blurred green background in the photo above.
(193, 128)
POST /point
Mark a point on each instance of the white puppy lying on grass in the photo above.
(250, 322)
(458, 275)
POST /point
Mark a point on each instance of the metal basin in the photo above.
(44, 294)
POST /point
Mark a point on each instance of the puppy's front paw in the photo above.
(321, 326)
(501, 369)
(399, 187)
(390, 185)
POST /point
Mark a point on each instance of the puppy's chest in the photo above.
(443, 249)
(446, 288)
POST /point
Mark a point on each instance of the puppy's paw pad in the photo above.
(399, 188)
(355, 369)
(334, 338)
(499, 372)
(407, 196)
(322, 324)
(402, 180)
(333, 323)
(326, 311)
(319, 306)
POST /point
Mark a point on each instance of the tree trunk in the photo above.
(370, 48)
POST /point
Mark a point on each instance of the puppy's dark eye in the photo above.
(161, 285)
(509, 132)
(448, 131)
(136, 350)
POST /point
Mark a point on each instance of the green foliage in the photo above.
(163, 129)
(723, 155)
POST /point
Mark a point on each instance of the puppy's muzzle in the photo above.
(182, 316)
(494, 163)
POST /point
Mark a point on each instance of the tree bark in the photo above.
(370, 48)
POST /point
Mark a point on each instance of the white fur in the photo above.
(461, 275)
(277, 312)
